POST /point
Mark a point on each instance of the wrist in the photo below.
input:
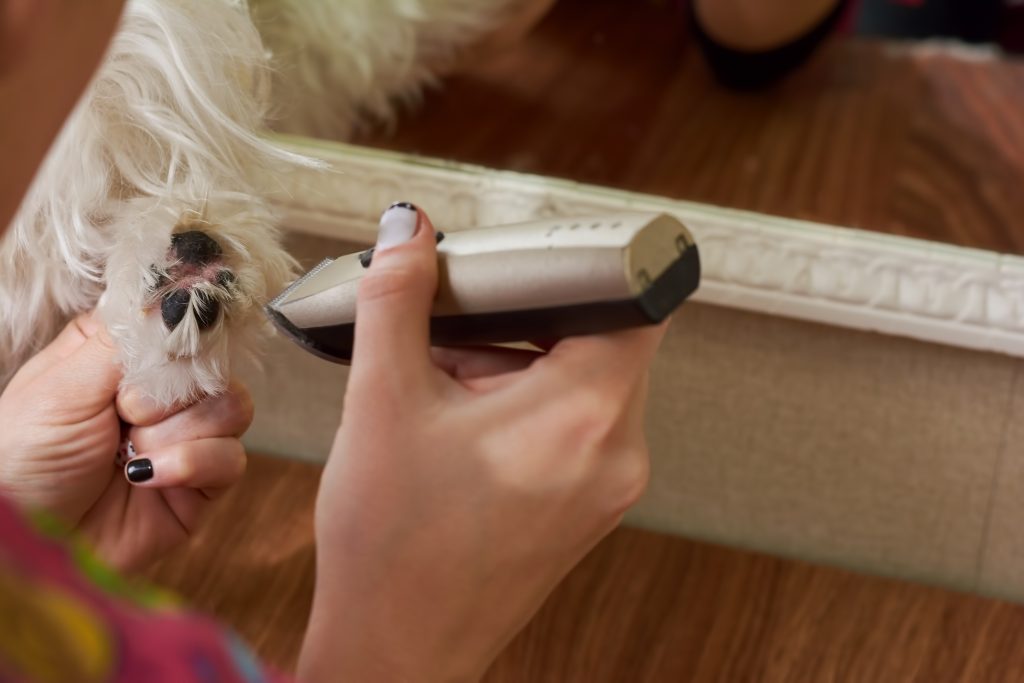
(347, 640)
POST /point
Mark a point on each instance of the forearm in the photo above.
(48, 53)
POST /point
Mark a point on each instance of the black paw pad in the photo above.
(195, 247)
(175, 305)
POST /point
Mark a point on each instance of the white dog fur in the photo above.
(163, 143)
(340, 63)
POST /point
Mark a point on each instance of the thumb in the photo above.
(84, 366)
(64, 345)
(395, 298)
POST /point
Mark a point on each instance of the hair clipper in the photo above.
(540, 280)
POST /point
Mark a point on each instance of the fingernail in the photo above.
(366, 257)
(139, 470)
(136, 405)
(89, 323)
(397, 225)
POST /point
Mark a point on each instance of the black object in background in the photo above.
(973, 21)
(750, 70)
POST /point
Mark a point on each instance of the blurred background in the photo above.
(976, 21)
(900, 116)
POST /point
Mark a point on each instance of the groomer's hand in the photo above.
(60, 432)
(463, 484)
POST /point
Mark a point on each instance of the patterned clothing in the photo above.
(67, 618)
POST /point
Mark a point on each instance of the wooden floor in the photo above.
(642, 607)
(614, 92)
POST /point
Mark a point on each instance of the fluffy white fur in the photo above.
(339, 63)
(164, 141)
(167, 130)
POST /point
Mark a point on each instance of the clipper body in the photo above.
(539, 280)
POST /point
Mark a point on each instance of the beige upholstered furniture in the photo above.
(829, 394)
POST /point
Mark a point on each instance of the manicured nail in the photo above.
(366, 257)
(125, 447)
(139, 470)
(397, 225)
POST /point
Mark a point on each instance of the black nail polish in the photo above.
(366, 257)
(403, 205)
(139, 470)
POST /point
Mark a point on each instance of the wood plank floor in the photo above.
(642, 607)
(614, 92)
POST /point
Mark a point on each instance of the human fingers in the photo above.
(392, 332)
(470, 363)
(227, 414)
(613, 361)
(137, 408)
(205, 464)
(85, 329)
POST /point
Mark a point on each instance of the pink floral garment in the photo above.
(66, 618)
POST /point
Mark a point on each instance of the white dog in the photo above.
(147, 205)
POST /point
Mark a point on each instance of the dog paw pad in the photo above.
(174, 306)
(196, 262)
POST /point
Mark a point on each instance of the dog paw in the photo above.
(185, 288)
(196, 282)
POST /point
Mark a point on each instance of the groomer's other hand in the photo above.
(60, 432)
(463, 484)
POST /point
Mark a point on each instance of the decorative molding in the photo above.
(837, 276)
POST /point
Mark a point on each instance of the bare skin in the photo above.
(760, 24)
(56, 452)
(462, 485)
(48, 51)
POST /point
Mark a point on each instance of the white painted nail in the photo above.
(397, 225)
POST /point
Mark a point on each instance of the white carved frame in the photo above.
(837, 276)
